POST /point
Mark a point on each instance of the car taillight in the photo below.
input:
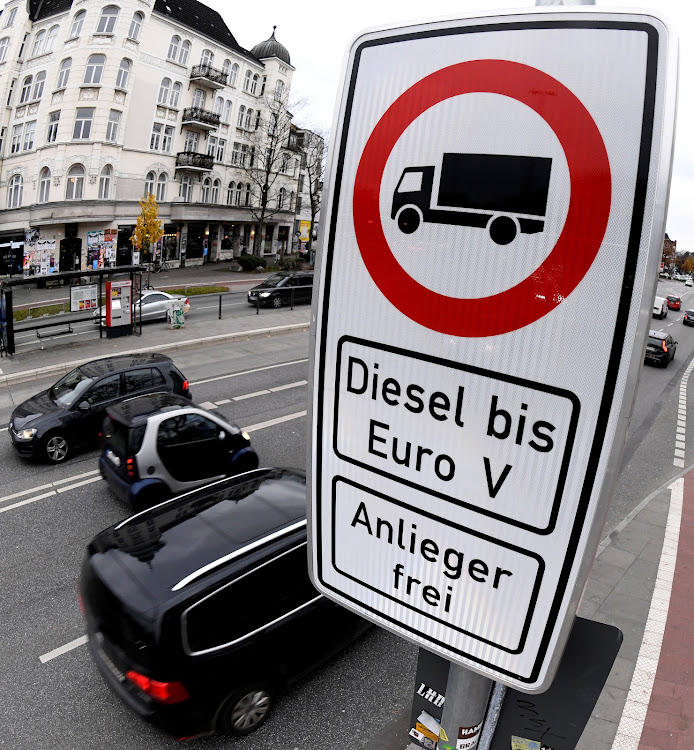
(162, 692)
(664, 346)
(185, 386)
(131, 468)
(186, 302)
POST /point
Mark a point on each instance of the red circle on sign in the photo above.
(580, 239)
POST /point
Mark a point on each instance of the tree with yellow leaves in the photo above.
(148, 228)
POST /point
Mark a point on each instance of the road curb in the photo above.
(65, 367)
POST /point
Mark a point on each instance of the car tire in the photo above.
(277, 301)
(56, 448)
(246, 710)
(246, 462)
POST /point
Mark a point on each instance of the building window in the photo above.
(300, 185)
(191, 141)
(16, 144)
(218, 106)
(83, 124)
(149, 184)
(4, 44)
(226, 67)
(164, 88)
(136, 26)
(291, 201)
(11, 17)
(26, 90)
(254, 84)
(161, 188)
(50, 39)
(226, 117)
(234, 74)
(279, 90)
(77, 23)
(107, 21)
(167, 139)
(22, 46)
(239, 190)
(247, 81)
(241, 117)
(230, 194)
(53, 119)
(185, 51)
(75, 183)
(285, 163)
(10, 92)
(123, 74)
(3, 134)
(15, 190)
(281, 197)
(29, 133)
(262, 85)
(173, 47)
(39, 82)
(175, 94)
(64, 73)
(249, 119)
(186, 189)
(206, 190)
(105, 182)
(155, 139)
(298, 204)
(94, 69)
(211, 145)
(207, 57)
(44, 185)
(248, 194)
(215, 191)
(38, 43)
(221, 147)
(112, 126)
(199, 99)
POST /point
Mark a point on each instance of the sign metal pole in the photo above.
(467, 697)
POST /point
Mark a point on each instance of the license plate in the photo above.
(113, 458)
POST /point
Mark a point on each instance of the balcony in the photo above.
(200, 118)
(194, 161)
(211, 77)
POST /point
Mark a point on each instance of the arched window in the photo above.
(4, 44)
(291, 201)
(105, 182)
(248, 79)
(75, 183)
(136, 25)
(206, 190)
(226, 117)
(50, 39)
(226, 67)
(39, 82)
(94, 69)
(38, 43)
(14, 192)
(173, 47)
(26, 90)
(164, 89)
(239, 188)
(183, 57)
(161, 187)
(281, 197)
(234, 74)
(199, 98)
(186, 189)
(44, 185)
(77, 23)
(249, 119)
(218, 106)
(248, 194)
(175, 94)
(241, 117)
(215, 191)
(107, 21)
(207, 57)
(279, 90)
(64, 73)
(230, 194)
(254, 85)
(149, 183)
(11, 17)
(123, 74)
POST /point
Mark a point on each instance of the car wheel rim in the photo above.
(251, 710)
(277, 302)
(56, 448)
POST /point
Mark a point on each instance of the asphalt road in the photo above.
(48, 515)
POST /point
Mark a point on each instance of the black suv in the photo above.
(69, 415)
(162, 445)
(283, 288)
(201, 609)
(660, 348)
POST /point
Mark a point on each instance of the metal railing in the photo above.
(204, 70)
(195, 160)
(202, 116)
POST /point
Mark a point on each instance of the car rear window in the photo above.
(655, 340)
(672, 298)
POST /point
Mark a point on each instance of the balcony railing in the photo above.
(194, 160)
(214, 77)
(203, 118)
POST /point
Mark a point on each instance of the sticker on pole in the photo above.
(495, 207)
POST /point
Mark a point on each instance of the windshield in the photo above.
(274, 280)
(68, 389)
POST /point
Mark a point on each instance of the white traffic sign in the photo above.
(493, 225)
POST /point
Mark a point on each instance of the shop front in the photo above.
(11, 254)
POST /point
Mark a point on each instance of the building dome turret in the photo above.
(271, 48)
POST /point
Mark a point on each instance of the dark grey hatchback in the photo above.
(200, 609)
(69, 415)
(283, 288)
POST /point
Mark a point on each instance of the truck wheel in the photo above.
(503, 230)
(408, 220)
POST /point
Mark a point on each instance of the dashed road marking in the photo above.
(63, 649)
(208, 405)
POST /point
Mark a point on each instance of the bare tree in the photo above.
(314, 150)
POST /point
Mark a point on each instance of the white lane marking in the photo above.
(26, 502)
(250, 395)
(680, 444)
(26, 492)
(250, 372)
(223, 401)
(678, 462)
(269, 390)
(77, 476)
(298, 384)
(207, 405)
(272, 422)
(0, 370)
(639, 695)
(63, 649)
(79, 484)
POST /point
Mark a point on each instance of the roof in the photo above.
(40, 9)
(198, 17)
(99, 367)
(131, 409)
(271, 48)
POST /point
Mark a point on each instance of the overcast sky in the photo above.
(318, 34)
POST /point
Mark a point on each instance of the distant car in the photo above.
(154, 304)
(688, 318)
(688, 282)
(283, 288)
(660, 348)
(674, 302)
(199, 611)
(161, 445)
(69, 415)
(660, 307)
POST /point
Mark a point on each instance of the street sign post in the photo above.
(496, 198)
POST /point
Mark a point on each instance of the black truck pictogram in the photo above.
(506, 194)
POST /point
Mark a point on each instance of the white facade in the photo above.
(109, 101)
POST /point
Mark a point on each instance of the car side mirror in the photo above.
(222, 435)
(83, 406)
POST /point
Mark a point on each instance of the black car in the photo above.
(283, 288)
(200, 610)
(660, 348)
(161, 445)
(69, 415)
(688, 318)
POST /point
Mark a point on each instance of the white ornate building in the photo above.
(108, 100)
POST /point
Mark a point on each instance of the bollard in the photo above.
(220, 306)
(292, 297)
(257, 304)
